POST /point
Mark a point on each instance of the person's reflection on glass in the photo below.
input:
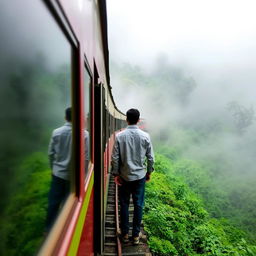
(59, 158)
(86, 146)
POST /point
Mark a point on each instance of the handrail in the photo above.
(119, 247)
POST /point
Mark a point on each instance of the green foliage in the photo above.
(22, 223)
(162, 247)
(162, 163)
(176, 220)
(236, 203)
(169, 152)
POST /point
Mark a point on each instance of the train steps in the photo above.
(110, 243)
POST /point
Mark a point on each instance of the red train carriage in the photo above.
(54, 54)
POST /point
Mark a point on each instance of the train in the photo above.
(54, 54)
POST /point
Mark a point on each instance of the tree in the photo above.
(243, 117)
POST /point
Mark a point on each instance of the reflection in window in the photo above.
(87, 118)
(59, 153)
(35, 72)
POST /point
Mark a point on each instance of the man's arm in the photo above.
(115, 159)
(51, 152)
(150, 157)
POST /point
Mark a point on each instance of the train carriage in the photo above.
(54, 54)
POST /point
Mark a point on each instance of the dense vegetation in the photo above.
(23, 220)
(177, 221)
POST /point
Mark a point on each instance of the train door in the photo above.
(99, 104)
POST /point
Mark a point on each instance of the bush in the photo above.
(178, 224)
(22, 224)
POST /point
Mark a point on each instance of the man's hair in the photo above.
(68, 115)
(133, 116)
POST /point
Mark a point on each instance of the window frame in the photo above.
(86, 68)
(54, 238)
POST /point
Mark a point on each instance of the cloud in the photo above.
(213, 43)
(200, 31)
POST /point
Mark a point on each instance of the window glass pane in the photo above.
(87, 118)
(35, 85)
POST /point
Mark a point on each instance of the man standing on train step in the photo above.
(132, 147)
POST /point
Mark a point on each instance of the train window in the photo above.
(87, 118)
(115, 124)
(104, 121)
(35, 78)
(107, 126)
(110, 126)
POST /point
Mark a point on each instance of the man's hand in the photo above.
(118, 181)
(147, 177)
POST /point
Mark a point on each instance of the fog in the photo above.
(189, 67)
(214, 41)
(192, 60)
(25, 39)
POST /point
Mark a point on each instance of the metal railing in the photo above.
(118, 232)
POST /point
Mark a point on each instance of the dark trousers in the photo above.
(137, 190)
(58, 192)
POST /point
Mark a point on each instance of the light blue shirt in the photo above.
(132, 147)
(60, 151)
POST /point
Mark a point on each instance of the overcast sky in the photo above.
(214, 40)
(204, 30)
